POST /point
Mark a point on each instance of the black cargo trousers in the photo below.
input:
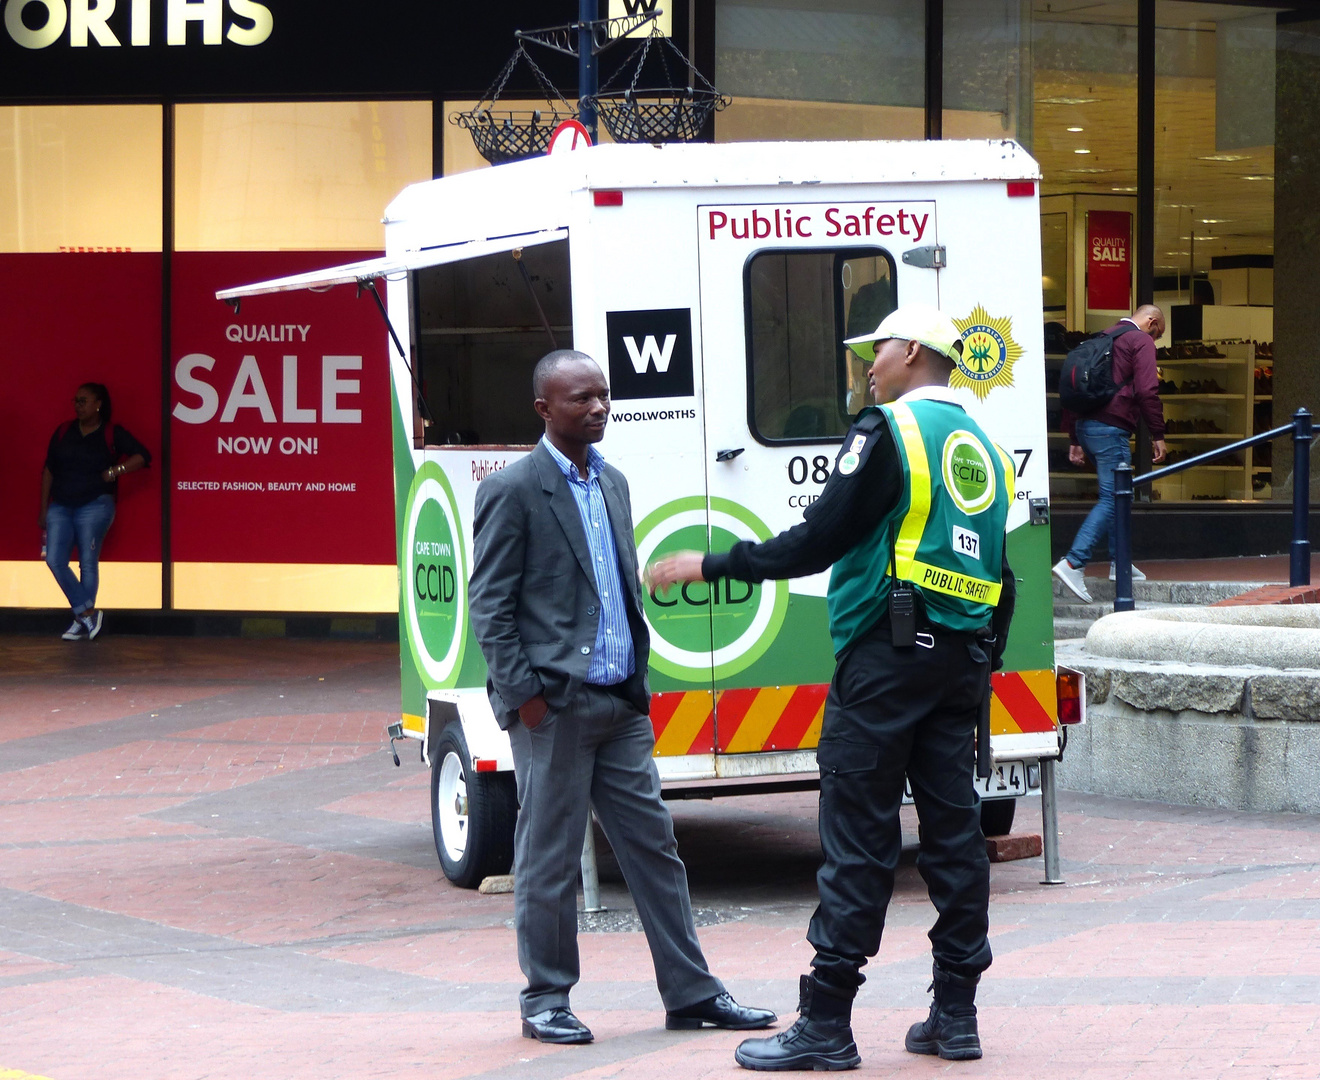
(892, 711)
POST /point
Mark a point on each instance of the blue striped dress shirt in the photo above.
(613, 659)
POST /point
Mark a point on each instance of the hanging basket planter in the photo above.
(666, 112)
(505, 134)
(657, 116)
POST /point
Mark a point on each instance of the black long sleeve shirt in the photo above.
(850, 506)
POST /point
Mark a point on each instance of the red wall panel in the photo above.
(69, 319)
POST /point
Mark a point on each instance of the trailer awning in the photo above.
(392, 266)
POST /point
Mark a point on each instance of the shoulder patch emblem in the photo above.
(858, 442)
(849, 462)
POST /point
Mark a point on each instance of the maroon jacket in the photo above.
(1138, 388)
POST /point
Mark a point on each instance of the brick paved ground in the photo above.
(210, 868)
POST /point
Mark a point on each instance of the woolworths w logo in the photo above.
(650, 353)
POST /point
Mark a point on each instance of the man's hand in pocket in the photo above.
(532, 711)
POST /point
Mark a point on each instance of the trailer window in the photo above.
(803, 383)
(479, 334)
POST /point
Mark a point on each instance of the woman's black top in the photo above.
(76, 461)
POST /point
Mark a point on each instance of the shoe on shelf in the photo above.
(721, 1011)
(1137, 575)
(92, 624)
(557, 1025)
(75, 631)
(1072, 577)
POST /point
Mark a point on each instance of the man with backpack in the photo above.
(1107, 385)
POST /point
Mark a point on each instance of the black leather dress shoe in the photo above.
(721, 1011)
(557, 1025)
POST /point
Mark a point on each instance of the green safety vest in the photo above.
(945, 536)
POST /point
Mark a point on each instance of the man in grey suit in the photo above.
(556, 603)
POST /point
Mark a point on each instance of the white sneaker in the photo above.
(92, 625)
(1137, 575)
(1072, 577)
(75, 631)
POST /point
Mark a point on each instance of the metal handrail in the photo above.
(1299, 554)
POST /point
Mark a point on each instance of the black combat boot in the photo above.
(950, 1029)
(822, 1038)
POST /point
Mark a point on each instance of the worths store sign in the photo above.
(39, 24)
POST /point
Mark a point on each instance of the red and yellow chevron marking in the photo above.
(746, 720)
(1024, 701)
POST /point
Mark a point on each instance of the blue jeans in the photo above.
(85, 525)
(1108, 446)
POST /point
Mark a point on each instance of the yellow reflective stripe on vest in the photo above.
(1010, 472)
(914, 522)
(952, 583)
(906, 566)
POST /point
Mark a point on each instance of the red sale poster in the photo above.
(280, 433)
(1109, 260)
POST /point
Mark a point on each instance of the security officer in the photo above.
(912, 521)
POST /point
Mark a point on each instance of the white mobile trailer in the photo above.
(714, 284)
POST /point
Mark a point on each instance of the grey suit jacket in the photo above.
(532, 596)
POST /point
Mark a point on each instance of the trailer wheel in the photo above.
(997, 816)
(472, 814)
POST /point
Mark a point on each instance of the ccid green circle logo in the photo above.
(968, 474)
(434, 571)
(726, 625)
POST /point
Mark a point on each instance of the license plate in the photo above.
(1008, 780)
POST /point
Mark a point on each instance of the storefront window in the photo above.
(986, 87)
(80, 178)
(300, 176)
(280, 428)
(1214, 240)
(80, 270)
(820, 69)
(1084, 134)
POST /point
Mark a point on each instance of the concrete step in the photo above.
(1064, 629)
(1075, 609)
(1159, 592)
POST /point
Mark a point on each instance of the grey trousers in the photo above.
(597, 753)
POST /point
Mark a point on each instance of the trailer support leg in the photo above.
(1049, 822)
(590, 879)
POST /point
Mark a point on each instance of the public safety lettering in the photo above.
(815, 221)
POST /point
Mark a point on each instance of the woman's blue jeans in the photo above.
(1109, 448)
(86, 526)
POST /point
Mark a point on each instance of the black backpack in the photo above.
(1086, 380)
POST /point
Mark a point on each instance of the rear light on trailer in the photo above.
(485, 764)
(1018, 189)
(607, 198)
(1068, 689)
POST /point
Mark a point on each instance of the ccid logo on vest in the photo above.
(434, 578)
(969, 476)
(727, 625)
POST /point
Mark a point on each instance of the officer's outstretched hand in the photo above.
(675, 569)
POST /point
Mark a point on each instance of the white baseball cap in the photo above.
(912, 322)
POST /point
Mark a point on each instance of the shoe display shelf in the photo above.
(1213, 393)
